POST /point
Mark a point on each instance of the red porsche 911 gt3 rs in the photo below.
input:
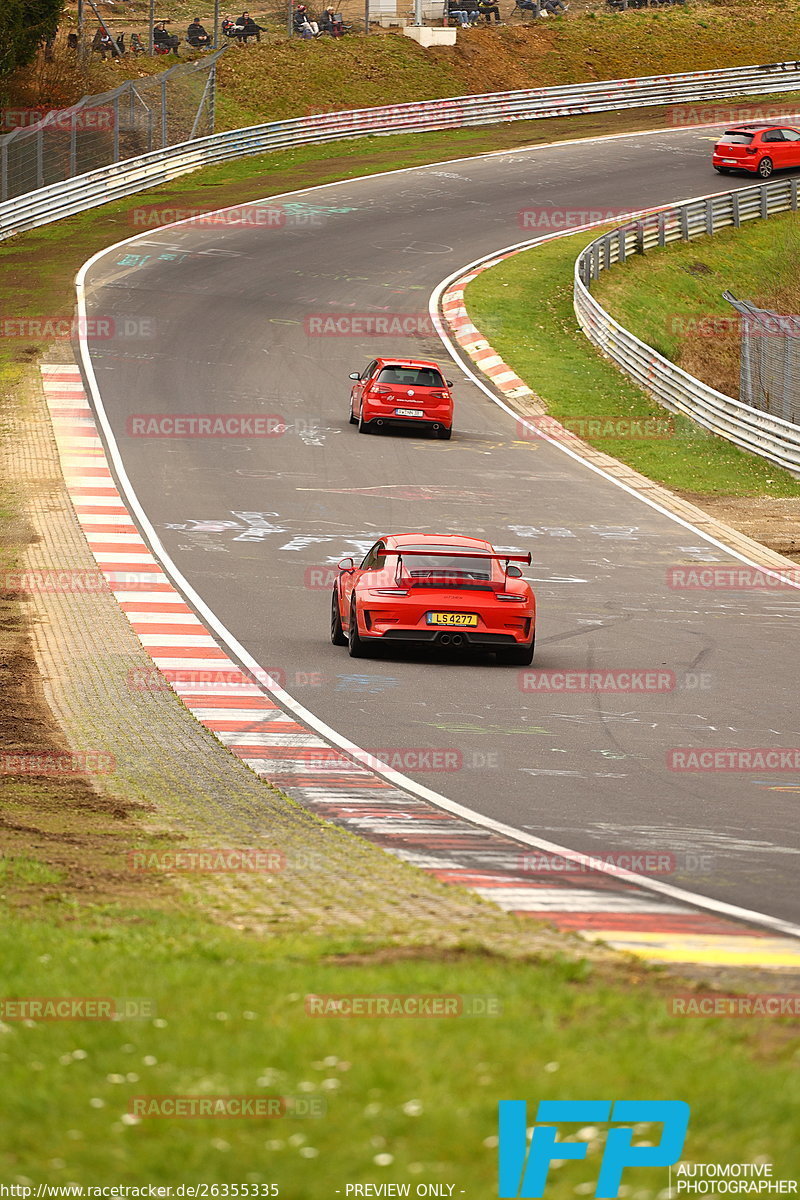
(408, 392)
(440, 590)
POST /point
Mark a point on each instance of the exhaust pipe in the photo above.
(379, 422)
(435, 427)
(457, 639)
(445, 639)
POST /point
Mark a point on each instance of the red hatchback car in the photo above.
(401, 391)
(758, 149)
(438, 590)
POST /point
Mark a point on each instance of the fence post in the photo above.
(40, 157)
(116, 128)
(73, 145)
(164, 142)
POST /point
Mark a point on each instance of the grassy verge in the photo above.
(524, 307)
(668, 298)
(406, 1100)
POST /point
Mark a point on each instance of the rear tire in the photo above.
(337, 632)
(353, 418)
(355, 643)
(445, 433)
(765, 168)
(364, 426)
(516, 656)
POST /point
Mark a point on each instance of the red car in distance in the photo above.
(759, 149)
(435, 590)
(409, 392)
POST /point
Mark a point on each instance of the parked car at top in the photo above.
(435, 590)
(758, 149)
(407, 392)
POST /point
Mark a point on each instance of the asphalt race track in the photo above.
(252, 522)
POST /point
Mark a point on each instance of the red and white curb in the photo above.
(231, 704)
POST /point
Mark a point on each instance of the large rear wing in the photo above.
(502, 557)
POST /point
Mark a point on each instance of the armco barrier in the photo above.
(759, 432)
(151, 170)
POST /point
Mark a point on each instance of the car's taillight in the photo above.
(750, 149)
(439, 395)
(378, 389)
(390, 591)
(509, 596)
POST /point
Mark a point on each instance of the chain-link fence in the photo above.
(769, 369)
(139, 116)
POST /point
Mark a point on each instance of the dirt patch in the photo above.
(773, 522)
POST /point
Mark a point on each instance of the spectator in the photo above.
(249, 27)
(101, 42)
(196, 35)
(136, 44)
(553, 8)
(72, 41)
(331, 22)
(163, 42)
(303, 23)
(463, 11)
(486, 8)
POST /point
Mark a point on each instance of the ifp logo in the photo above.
(523, 1169)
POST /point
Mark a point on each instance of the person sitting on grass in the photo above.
(464, 11)
(486, 8)
(329, 22)
(553, 8)
(249, 27)
(196, 35)
(303, 23)
(163, 42)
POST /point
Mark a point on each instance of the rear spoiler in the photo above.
(401, 553)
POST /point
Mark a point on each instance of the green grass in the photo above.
(524, 308)
(231, 1020)
(25, 869)
(667, 292)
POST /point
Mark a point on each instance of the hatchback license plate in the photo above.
(409, 412)
(444, 618)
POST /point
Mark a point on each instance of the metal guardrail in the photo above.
(150, 170)
(759, 432)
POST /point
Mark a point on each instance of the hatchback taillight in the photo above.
(378, 389)
(750, 149)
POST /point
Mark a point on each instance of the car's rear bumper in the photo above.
(465, 638)
(737, 164)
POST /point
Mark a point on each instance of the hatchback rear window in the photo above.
(736, 137)
(411, 377)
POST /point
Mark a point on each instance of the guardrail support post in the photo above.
(40, 157)
(4, 171)
(684, 218)
(764, 199)
(735, 214)
(164, 142)
(793, 194)
(709, 216)
(73, 146)
(662, 230)
(621, 254)
(116, 129)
